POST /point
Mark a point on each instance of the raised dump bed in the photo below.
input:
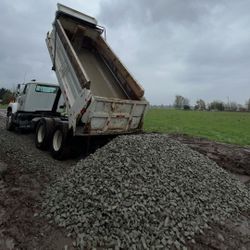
(100, 94)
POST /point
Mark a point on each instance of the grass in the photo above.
(3, 106)
(228, 127)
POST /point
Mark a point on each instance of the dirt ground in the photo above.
(29, 171)
(233, 158)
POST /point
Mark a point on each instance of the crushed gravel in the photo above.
(141, 192)
(20, 147)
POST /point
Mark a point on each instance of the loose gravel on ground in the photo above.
(140, 192)
(24, 172)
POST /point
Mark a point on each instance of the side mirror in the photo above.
(18, 88)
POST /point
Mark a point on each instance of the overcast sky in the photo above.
(195, 48)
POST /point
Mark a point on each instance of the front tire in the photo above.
(44, 130)
(10, 126)
(60, 146)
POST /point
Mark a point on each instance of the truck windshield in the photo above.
(46, 89)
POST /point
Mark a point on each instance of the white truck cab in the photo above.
(33, 99)
(37, 96)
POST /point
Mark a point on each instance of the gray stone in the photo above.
(147, 191)
(220, 237)
(3, 169)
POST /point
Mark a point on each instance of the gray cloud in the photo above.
(23, 29)
(23, 50)
(144, 12)
(196, 48)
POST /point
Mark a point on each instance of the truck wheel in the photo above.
(44, 131)
(9, 123)
(60, 148)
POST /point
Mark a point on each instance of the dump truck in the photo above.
(100, 96)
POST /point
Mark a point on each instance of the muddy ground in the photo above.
(29, 171)
(233, 158)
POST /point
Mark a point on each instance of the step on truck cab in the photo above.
(100, 95)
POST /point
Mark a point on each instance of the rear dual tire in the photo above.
(56, 138)
(60, 146)
(44, 130)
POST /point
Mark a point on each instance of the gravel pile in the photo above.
(140, 192)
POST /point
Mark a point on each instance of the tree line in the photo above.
(181, 102)
(6, 96)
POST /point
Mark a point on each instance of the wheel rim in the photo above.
(41, 133)
(57, 140)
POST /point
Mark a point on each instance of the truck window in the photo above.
(25, 88)
(46, 89)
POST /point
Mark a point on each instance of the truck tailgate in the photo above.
(111, 116)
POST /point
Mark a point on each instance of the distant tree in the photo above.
(232, 106)
(217, 105)
(6, 96)
(180, 102)
(186, 102)
(228, 106)
(248, 105)
(2, 91)
(220, 106)
(200, 105)
(186, 107)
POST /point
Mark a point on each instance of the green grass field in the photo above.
(3, 106)
(228, 127)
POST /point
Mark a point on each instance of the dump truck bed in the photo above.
(101, 95)
(103, 82)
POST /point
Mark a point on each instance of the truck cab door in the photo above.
(22, 97)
